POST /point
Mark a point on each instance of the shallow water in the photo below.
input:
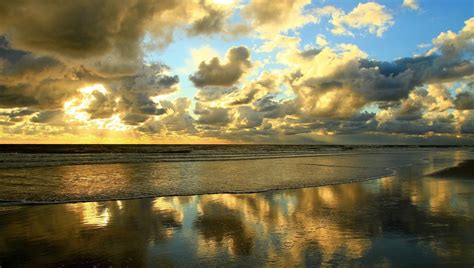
(19, 156)
(406, 220)
(94, 182)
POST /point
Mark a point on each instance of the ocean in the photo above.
(73, 173)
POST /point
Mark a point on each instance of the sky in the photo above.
(237, 71)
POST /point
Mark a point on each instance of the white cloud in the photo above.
(269, 17)
(321, 40)
(371, 17)
(197, 55)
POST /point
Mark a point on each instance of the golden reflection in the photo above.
(443, 196)
(352, 224)
(296, 227)
(171, 206)
(91, 213)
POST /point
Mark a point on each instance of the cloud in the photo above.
(60, 74)
(246, 117)
(279, 41)
(27, 80)
(48, 116)
(266, 84)
(102, 106)
(215, 73)
(60, 28)
(46, 83)
(216, 116)
(371, 17)
(214, 19)
(464, 101)
(212, 23)
(411, 4)
(425, 111)
(331, 88)
(17, 66)
(225, 110)
(466, 123)
(111, 27)
(135, 93)
(176, 120)
(270, 17)
(455, 47)
(374, 80)
(10, 117)
(321, 40)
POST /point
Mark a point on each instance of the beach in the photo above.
(409, 219)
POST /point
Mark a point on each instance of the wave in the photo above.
(31, 157)
(5, 203)
(102, 182)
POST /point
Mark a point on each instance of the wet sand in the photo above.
(464, 170)
(406, 220)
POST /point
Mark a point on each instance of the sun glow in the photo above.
(76, 110)
(90, 89)
(76, 107)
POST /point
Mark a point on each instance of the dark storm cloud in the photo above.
(79, 29)
(11, 117)
(248, 118)
(17, 113)
(134, 119)
(17, 66)
(217, 116)
(337, 96)
(464, 101)
(409, 111)
(47, 116)
(468, 126)
(50, 49)
(10, 97)
(208, 94)
(176, 120)
(150, 79)
(247, 98)
(272, 108)
(391, 81)
(416, 127)
(134, 93)
(310, 53)
(254, 90)
(364, 116)
(27, 80)
(215, 73)
(102, 106)
(212, 23)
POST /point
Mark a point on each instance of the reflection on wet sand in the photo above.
(427, 221)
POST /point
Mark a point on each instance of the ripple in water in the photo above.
(68, 183)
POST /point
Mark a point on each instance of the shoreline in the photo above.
(41, 203)
(463, 169)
